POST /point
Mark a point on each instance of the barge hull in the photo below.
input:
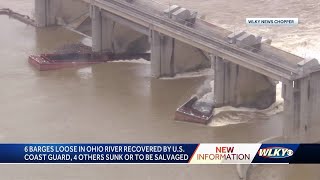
(187, 114)
(45, 62)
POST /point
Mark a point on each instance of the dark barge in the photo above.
(45, 62)
(188, 114)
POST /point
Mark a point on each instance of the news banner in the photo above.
(159, 153)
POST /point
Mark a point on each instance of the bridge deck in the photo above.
(266, 49)
(219, 32)
(269, 61)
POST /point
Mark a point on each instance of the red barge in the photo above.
(45, 62)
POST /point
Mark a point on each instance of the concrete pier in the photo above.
(58, 12)
(45, 12)
(237, 86)
(101, 31)
(171, 56)
(302, 105)
(162, 61)
(188, 58)
(110, 34)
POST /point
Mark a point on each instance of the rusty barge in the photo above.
(187, 113)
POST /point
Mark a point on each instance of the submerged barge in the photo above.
(187, 113)
(45, 62)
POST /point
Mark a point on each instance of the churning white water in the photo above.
(230, 115)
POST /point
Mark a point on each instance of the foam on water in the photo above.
(85, 73)
(137, 61)
(230, 115)
(87, 41)
(200, 73)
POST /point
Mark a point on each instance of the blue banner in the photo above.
(96, 153)
(159, 153)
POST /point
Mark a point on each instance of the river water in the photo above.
(120, 102)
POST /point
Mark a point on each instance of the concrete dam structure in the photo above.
(246, 68)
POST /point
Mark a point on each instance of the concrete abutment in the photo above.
(109, 35)
(162, 49)
(171, 56)
(59, 12)
(237, 86)
(301, 105)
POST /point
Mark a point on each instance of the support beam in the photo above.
(291, 124)
(102, 31)
(309, 103)
(107, 28)
(188, 58)
(237, 86)
(305, 104)
(96, 29)
(171, 56)
(219, 82)
(233, 84)
(40, 12)
(45, 12)
(162, 48)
